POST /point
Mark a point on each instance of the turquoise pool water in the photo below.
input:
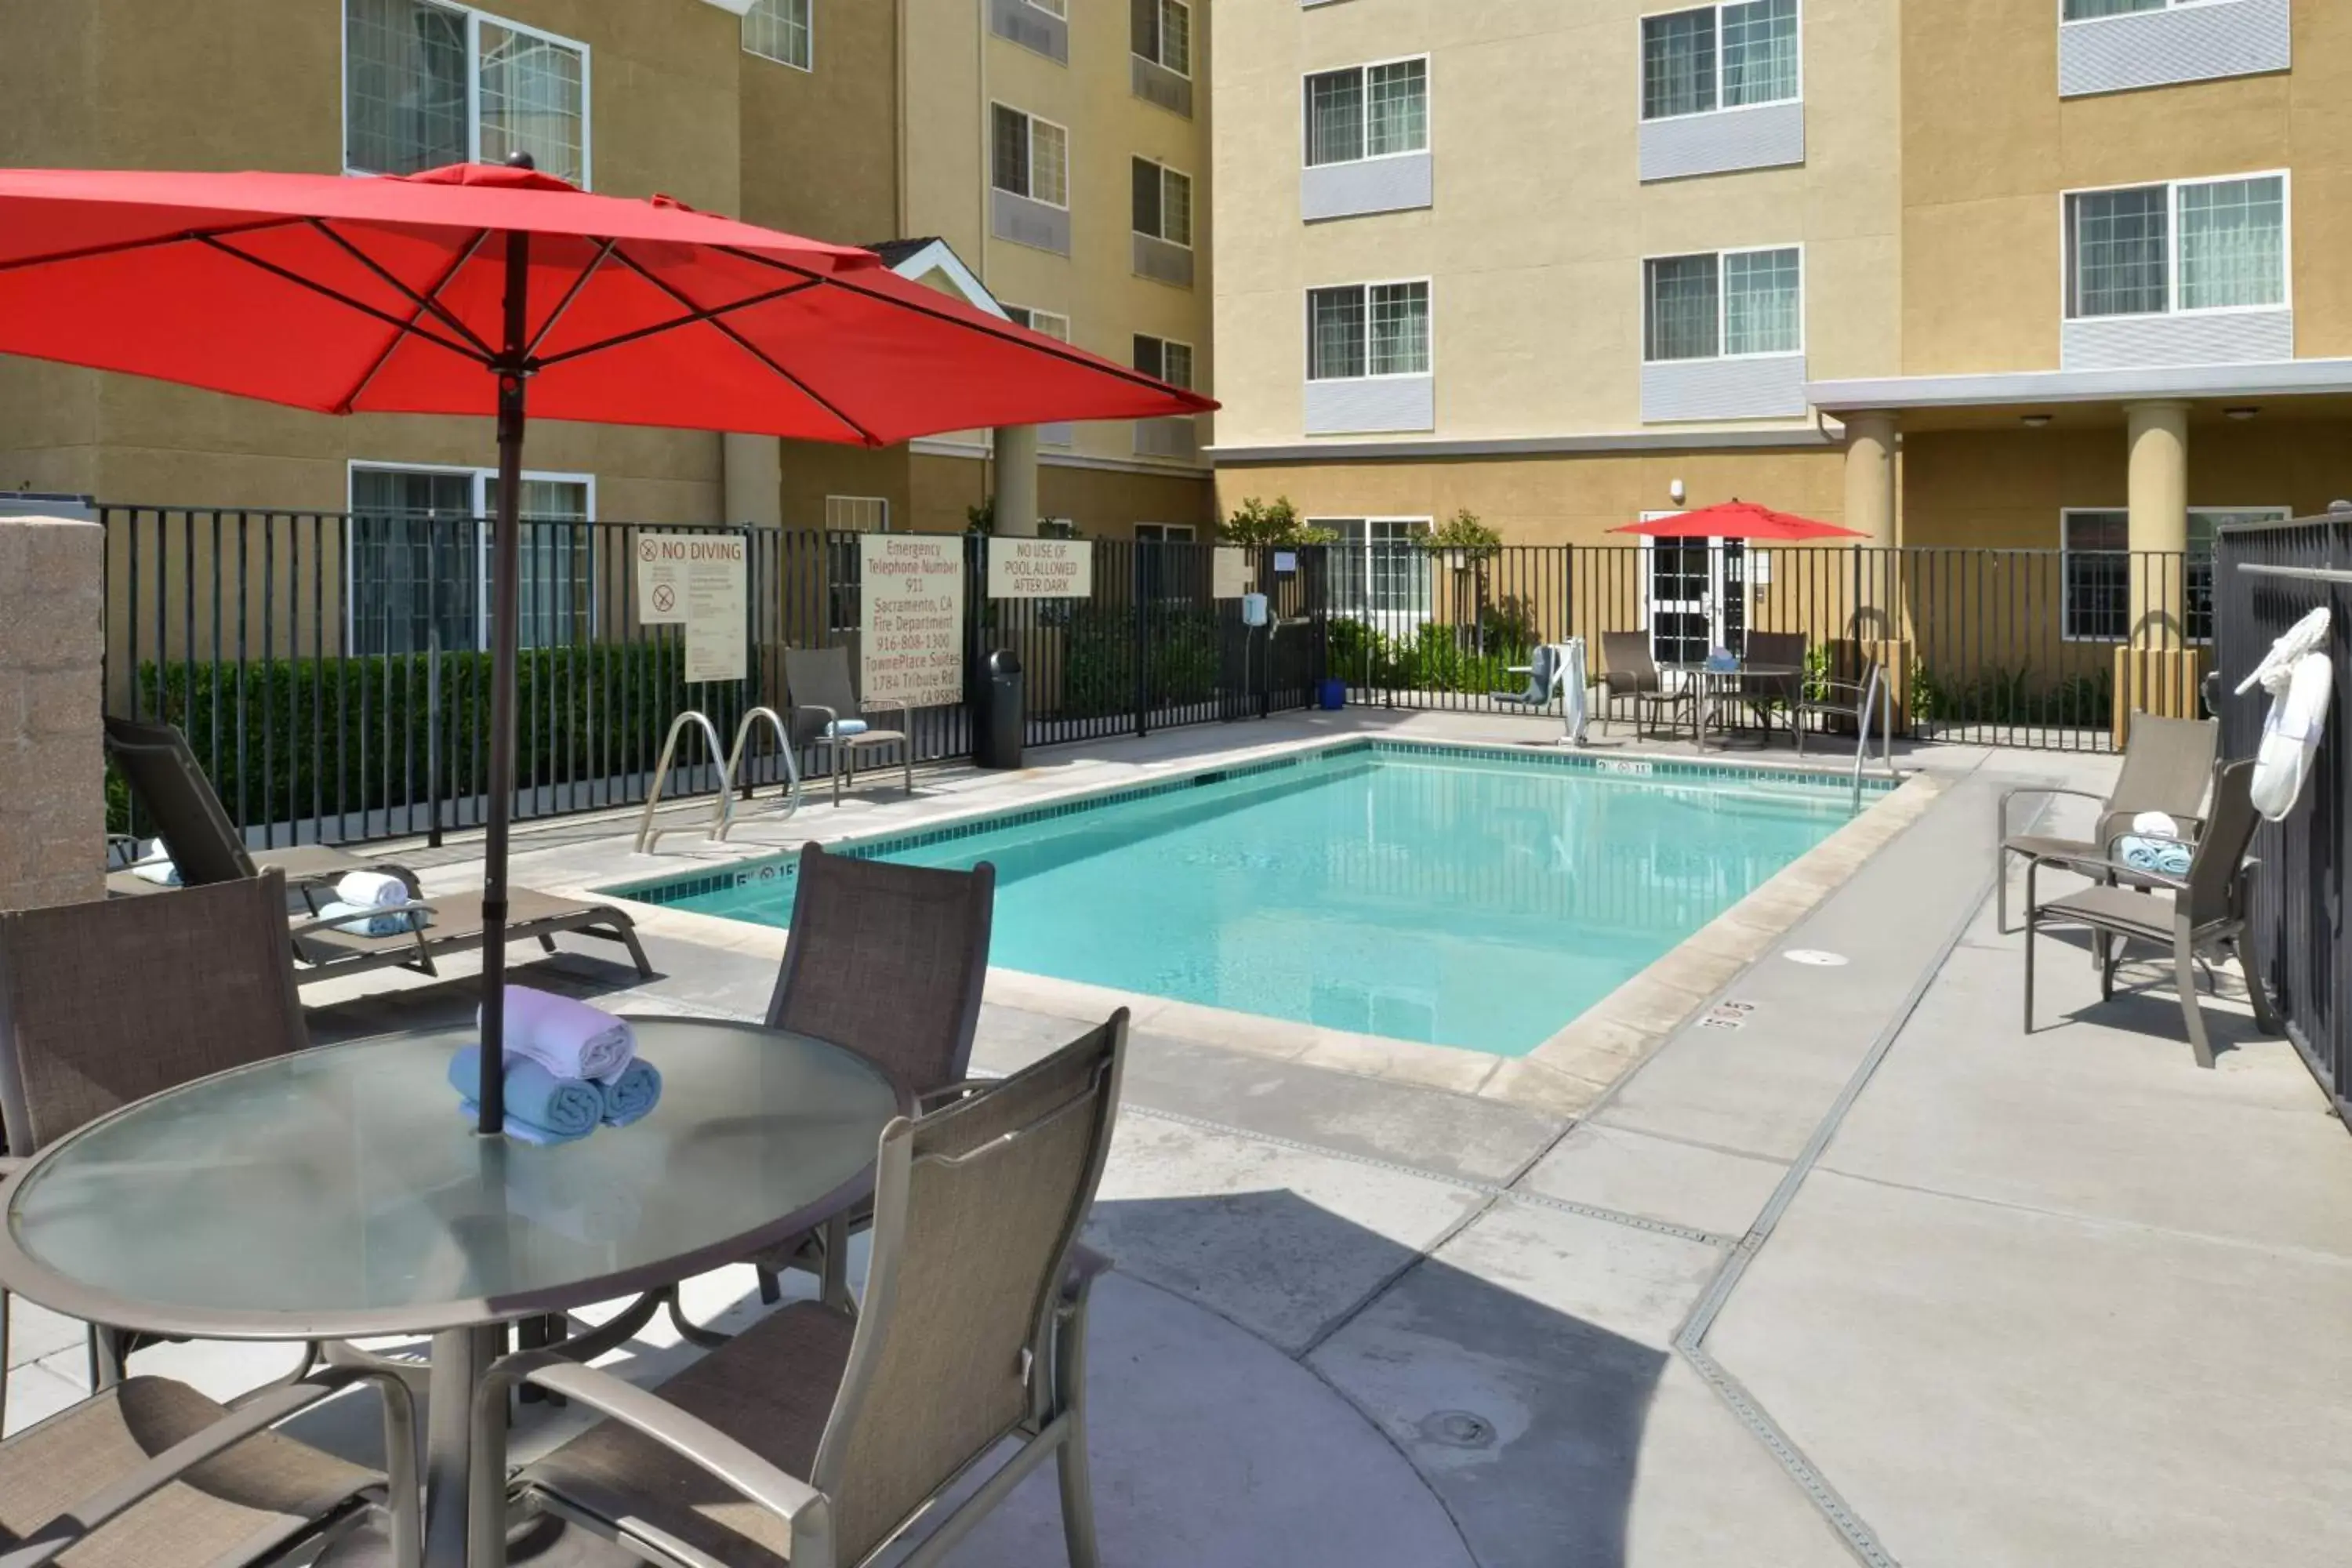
(1476, 899)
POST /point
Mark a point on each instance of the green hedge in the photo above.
(352, 734)
(1098, 659)
(1433, 658)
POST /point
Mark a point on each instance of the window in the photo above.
(2097, 569)
(782, 31)
(1054, 7)
(2205, 525)
(427, 84)
(1163, 203)
(1161, 32)
(1031, 157)
(1379, 568)
(418, 561)
(1056, 327)
(1171, 363)
(1719, 57)
(1368, 111)
(2200, 245)
(844, 560)
(1163, 533)
(1361, 330)
(1723, 305)
(2092, 10)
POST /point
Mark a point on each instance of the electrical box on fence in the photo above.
(1254, 609)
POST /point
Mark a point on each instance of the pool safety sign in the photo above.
(697, 581)
(1041, 569)
(910, 590)
(1229, 573)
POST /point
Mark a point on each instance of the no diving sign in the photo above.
(696, 581)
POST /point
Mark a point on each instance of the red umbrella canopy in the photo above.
(1739, 520)
(388, 295)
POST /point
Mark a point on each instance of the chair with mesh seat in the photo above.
(2168, 767)
(1629, 669)
(827, 711)
(106, 1002)
(813, 1439)
(152, 1474)
(890, 962)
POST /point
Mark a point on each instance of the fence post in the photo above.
(1139, 611)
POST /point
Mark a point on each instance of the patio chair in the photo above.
(2168, 767)
(2203, 914)
(1764, 694)
(1861, 703)
(813, 1439)
(890, 962)
(1627, 669)
(160, 768)
(151, 1472)
(106, 1002)
(825, 705)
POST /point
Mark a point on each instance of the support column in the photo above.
(52, 761)
(752, 479)
(1016, 481)
(2156, 672)
(1877, 632)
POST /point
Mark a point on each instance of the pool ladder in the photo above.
(723, 811)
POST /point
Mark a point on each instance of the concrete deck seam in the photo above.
(1689, 1339)
(1490, 1190)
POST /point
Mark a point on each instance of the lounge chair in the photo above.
(207, 849)
(1627, 669)
(1764, 694)
(105, 1003)
(887, 960)
(2168, 767)
(826, 706)
(813, 1439)
(205, 846)
(2203, 914)
(150, 1472)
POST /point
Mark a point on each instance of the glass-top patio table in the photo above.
(339, 1193)
(1712, 688)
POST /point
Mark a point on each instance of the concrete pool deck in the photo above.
(1850, 1268)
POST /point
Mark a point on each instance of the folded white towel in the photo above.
(2157, 825)
(569, 1039)
(158, 870)
(370, 890)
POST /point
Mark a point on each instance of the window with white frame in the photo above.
(1163, 203)
(1367, 112)
(417, 564)
(1367, 329)
(427, 84)
(1161, 32)
(2092, 10)
(1054, 7)
(1164, 533)
(1030, 157)
(2098, 568)
(1169, 362)
(844, 560)
(1723, 304)
(1050, 323)
(782, 31)
(1719, 57)
(1379, 568)
(2190, 245)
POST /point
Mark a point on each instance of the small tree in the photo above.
(1257, 522)
(1464, 533)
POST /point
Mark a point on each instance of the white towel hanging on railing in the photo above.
(2301, 679)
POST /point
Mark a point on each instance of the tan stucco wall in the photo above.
(1536, 241)
(1570, 500)
(820, 148)
(1989, 147)
(1106, 505)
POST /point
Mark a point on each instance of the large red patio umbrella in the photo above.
(482, 290)
(1739, 520)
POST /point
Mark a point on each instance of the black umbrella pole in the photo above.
(505, 574)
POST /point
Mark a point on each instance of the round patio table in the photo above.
(1716, 687)
(339, 1193)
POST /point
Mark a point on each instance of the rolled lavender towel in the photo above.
(636, 1091)
(569, 1039)
(562, 1108)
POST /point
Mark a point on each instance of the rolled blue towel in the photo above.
(2165, 857)
(519, 1130)
(630, 1095)
(370, 922)
(562, 1108)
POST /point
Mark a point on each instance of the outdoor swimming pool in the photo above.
(1477, 898)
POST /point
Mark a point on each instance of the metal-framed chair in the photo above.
(813, 1439)
(2168, 767)
(1764, 694)
(827, 711)
(1628, 669)
(2203, 914)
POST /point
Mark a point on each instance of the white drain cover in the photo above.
(1816, 957)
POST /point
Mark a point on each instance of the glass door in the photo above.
(1695, 596)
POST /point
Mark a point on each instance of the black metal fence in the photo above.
(2270, 576)
(2015, 647)
(329, 668)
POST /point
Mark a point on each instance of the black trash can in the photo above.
(997, 725)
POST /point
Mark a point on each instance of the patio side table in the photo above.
(1714, 688)
(340, 1194)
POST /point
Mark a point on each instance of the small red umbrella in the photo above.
(1739, 520)
(480, 290)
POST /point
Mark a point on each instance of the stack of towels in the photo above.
(571, 1069)
(2160, 850)
(373, 897)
